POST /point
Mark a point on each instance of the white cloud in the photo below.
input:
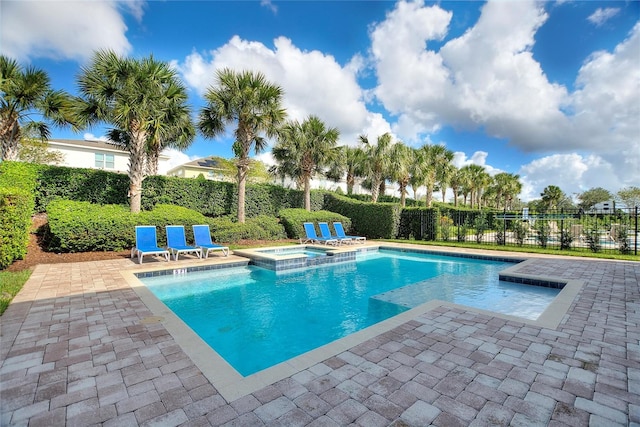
(477, 158)
(313, 82)
(91, 137)
(602, 15)
(269, 5)
(606, 107)
(176, 158)
(573, 173)
(64, 29)
(487, 79)
(411, 80)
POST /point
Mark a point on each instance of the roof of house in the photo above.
(211, 162)
(104, 145)
(94, 144)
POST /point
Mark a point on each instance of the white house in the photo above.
(208, 167)
(95, 155)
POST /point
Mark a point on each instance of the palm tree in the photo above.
(377, 161)
(432, 159)
(144, 100)
(552, 195)
(456, 181)
(23, 94)
(308, 148)
(254, 105)
(179, 137)
(444, 173)
(506, 187)
(354, 160)
(402, 157)
(477, 180)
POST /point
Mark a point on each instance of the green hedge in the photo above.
(383, 198)
(83, 226)
(87, 185)
(292, 220)
(215, 198)
(210, 198)
(263, 227)
(373, 220)
(17, 183)
(16, 206)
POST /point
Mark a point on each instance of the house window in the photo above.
(104, 161)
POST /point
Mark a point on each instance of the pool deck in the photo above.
(80, 346)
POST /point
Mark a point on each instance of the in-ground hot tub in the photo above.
(299, 256)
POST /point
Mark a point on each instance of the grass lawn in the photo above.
(577, 252)
(10, 285)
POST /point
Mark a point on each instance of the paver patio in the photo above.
(79, 347)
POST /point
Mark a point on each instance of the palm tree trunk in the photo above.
(429, 197)
(351, 179)
(10, 136)
(403, 195)
(243, 166)
(136, 170)
(307, 192)
(375, 188)
(152, 163)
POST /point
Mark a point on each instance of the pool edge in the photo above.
(232, 386)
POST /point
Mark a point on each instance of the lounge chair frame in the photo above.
(202, 239)
(147, 243)
(177, 242)
(312, 236)
(342, 235)
(326, 234)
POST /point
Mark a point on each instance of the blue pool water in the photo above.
(255, 318)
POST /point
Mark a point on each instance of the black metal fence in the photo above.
(613, 231)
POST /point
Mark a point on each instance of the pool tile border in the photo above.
(184, 270)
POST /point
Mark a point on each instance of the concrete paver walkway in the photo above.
(79, 347)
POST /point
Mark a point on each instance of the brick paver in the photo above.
(74, 351)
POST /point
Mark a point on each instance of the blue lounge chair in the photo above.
(147, 243)
(202, 237)
(341, 234)
(312, 237)
(177, 242)
(326, 234)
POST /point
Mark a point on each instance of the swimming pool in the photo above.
(255, 318)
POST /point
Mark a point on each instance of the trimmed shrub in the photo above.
(292, 220)
(17, 183)
(16, 206)
(87, 185)
(19, 175)
(210, 198)
(83, 226)
(373, 220)
(263, 227)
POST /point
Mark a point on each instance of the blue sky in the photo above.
(550, 91)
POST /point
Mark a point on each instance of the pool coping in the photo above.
(232, 385)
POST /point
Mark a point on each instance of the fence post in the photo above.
(635, 239)
(504, 226)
